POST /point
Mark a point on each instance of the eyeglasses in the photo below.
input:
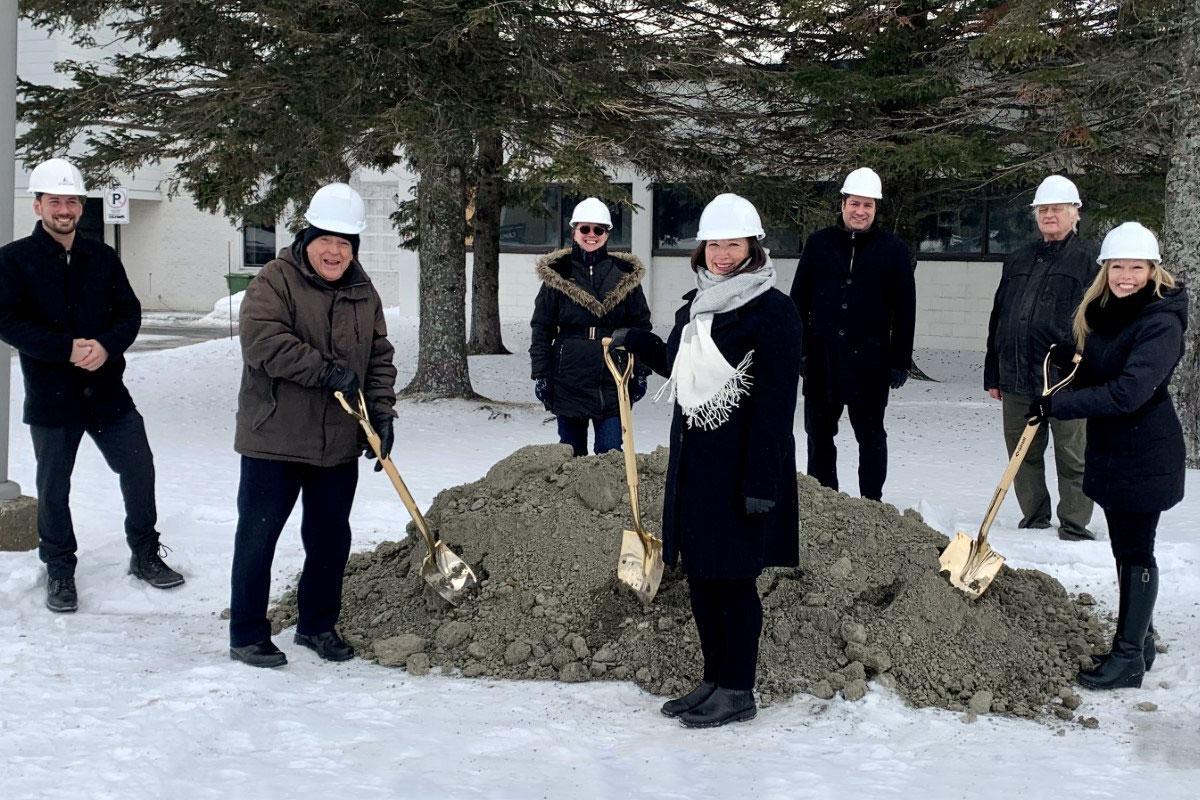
(587, 230)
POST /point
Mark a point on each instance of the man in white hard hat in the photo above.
(66, 306)
(856, 294)
(311, 325)
(1040, 288)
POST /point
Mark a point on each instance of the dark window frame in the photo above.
(683, 252)
(247, 265)
(983, 256)
(562, 216)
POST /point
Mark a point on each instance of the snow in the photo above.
(134, 696)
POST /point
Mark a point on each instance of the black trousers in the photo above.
(266, 496)
(866, 417)
(1131, 534)
(124, 446)
(729, 619)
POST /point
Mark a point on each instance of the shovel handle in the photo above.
(1018, 454)
(626, 410)
(388, 467)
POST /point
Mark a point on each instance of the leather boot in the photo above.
(722, 707)
(327, 644)
(1125, 665)
(673, 708)
(260, 654)
(1149, 653)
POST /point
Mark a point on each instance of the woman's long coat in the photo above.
(1135, 450)
(710, 473)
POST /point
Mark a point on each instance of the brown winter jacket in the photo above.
(291, 324)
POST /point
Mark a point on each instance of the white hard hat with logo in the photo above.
(593, 210)
(729, 216)
(1056, 189)
(1130, 240)
(56, 176)
(863, 182)
(337, 208)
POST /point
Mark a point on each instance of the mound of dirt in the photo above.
(542, 529)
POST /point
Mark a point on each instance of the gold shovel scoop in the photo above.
(442, 569)
(972, 563)
(640, 565)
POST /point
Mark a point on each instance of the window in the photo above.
(973, 225)
(546, 225)
(677, 217)
(91, 224)
(258, 245)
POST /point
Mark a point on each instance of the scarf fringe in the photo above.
(714, 412)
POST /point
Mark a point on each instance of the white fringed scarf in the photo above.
(706, 386)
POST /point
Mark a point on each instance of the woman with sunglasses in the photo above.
(587, 292)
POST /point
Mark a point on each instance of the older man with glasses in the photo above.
(1040, 288)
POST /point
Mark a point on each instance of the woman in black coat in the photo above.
(586, 293)
(1130, 328)
(730, 508)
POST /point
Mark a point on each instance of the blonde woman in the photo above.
(1130, 329)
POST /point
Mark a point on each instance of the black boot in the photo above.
(722, 707)
(673, 708)
(259, 654)
(146, 564)
(327, 644)
(61, 595)
(1125, 665)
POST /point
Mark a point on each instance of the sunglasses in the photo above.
(587, 230)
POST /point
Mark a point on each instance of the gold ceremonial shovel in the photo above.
(972, 563)
(442, 569)
(640, 566)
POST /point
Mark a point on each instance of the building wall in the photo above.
(954, 302)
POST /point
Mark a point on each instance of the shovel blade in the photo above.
(640, 566)
(971, 567)
(448, 574)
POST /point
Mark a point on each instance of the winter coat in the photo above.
(292, 323)
(1039, 290)
(576, 307)
(710, 473)
(857, 298)
(1135, 450)
(46, 301)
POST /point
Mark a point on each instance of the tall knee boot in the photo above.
(1149, 652)
(1125, 665)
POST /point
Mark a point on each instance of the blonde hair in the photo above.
(1099, 289)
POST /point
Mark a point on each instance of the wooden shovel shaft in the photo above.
(626, 410)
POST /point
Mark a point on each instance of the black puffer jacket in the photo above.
(710, 473)
(580, 302)
(46, 302)
(1039, 290)
(1135, 450)
(857, 299)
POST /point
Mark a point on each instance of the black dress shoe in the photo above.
(327, 644)
(722, 707)
(259, 654)
(61, 595)
(673, 708)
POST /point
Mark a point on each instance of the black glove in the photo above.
(541, 390)
(387, 437)
(637, 389)
(899, 378)
(635, 340)
(1039, 411)
(340, 379)
(756, 505)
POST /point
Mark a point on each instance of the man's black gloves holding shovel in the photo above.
(382, 426)
(340, 379)
(1039, 411)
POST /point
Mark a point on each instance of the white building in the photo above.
(177, 256)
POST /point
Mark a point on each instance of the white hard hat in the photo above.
(1130, 240)
(337, 208)
(593, 210)
(56, 176)
(728, 216)
(863, 182)
(1056, 189)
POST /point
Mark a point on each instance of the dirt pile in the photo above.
(867, 603)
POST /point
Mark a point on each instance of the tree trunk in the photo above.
(486, 338)
(442, 369)
(1181, 230)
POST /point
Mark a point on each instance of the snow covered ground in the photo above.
(134, 696)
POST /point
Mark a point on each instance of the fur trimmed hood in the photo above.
(554, 269)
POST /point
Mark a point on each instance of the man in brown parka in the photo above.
(311, 323)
